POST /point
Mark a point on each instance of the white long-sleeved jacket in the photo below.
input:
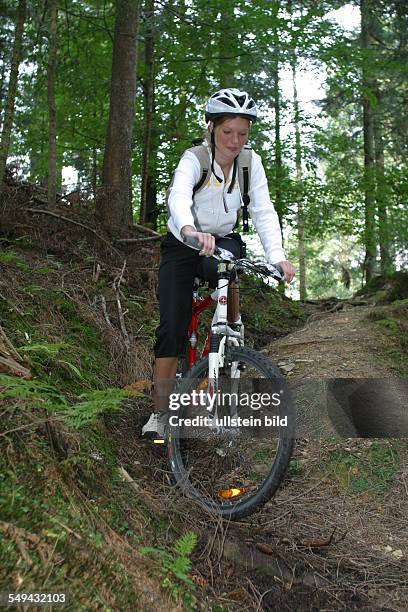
(213, 210)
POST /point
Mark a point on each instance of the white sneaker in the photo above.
(155, 426)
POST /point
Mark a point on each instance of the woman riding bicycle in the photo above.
(209, 215)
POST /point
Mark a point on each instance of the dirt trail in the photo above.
(340, 380)
(342, 344)
(335, 536)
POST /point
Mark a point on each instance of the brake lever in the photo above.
(219, 253)
(276, 271)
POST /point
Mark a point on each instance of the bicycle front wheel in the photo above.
(231, 439)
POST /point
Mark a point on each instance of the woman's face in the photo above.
(230, 137)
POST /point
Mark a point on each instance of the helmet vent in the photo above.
(240, 100)
(227, 101)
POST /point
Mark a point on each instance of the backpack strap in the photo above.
(242, 168)
(201, 152)
(244, 178)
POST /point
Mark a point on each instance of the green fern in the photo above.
(50, 348)
(93, 404)
(39, 394)
(70, 366)
(186, 544)
(176, 564)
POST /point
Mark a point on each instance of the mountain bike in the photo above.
(231, 422)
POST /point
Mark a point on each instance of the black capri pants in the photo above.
(179, 266)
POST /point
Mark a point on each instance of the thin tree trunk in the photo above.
(114, 207)
(151, 198)
(149, 108)
(278, 142)
(300, 210)
(381, 196)
(94, 178)
(226, 48)
(2, 81)
(52, 110)
(94, 171)
(366, 7)
(12, 89)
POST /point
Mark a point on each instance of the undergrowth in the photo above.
(392, 320)
(175, 566)
(371, 469)
(68, 521)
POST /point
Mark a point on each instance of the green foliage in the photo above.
(393, 321)
(295, 468)
(372, 469)
(44, 515)
(390, 324)
(90, 407)
(175, 567)
(334, 261)
(94, 404)
(38, 393)
(10, 257)
(202, 47)
(265, 313)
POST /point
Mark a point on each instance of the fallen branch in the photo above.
(11, 366)
(142, 228)
(149, 238)
(149, 501)
(105, 312)
(122, 322)
(121, 314)
(322, 543)
(6, 341)
(10, 358)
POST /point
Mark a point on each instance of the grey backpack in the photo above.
(242, 167)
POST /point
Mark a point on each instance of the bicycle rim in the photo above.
(229, 468)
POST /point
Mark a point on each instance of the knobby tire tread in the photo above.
(278, 469)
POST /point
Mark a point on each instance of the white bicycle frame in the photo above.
(229, 337)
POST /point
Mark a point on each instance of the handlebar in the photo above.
(275, 271)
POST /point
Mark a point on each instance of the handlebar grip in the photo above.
(192, 242)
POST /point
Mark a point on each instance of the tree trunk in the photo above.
(114, 207)
(151, 199)
(300, 211)
(2, 82)
(278, 142)
(12, 89)
(366, 7)
(226, 48)
(382, 193)
(52, 111)
(145, 211)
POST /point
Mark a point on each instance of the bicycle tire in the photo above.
(183, 472)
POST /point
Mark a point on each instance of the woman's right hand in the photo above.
(207, 241)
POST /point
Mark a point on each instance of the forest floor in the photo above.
(87, 507)
(335, 536)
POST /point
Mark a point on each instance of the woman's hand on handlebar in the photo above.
(207, 241)
(288, 270)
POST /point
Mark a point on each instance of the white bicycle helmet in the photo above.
(231, 102)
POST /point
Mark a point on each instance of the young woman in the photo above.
(210, 216)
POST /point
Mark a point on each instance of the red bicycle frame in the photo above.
(199, 304)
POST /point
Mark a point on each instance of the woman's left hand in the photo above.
(288, 270)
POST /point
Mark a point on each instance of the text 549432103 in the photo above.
(21, 597)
